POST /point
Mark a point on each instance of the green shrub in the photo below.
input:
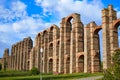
(0, 66)
(34, 71)
(113, 72)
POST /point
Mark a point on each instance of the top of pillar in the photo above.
(110, 6)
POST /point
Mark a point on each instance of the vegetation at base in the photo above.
(52, 77)
(11, 73)
(0, 66)
(34, 71)
(113, 72)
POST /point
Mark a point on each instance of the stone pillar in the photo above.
(106, 39)
(79, 36)
(61, 52)
(87, 57)
(72, 52)
(41, 54)
(67, 34)
(77, 41)
(5, 61)
(45, 50)
(12, 58)
(15, 65)
(20, 56)
(113, 30)
(55, 50)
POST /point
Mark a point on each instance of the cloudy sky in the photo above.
(23, 18)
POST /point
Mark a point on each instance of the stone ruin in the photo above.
(70, 48)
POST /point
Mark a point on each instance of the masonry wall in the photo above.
(70, 48)
(20, 55)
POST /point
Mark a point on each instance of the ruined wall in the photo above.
(20, 55)
(92, 47)
(70, 48)
(48, 40)
(110, 35)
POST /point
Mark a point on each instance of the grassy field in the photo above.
(26, 76)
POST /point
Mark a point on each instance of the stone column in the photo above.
(55, 51)
(113, 30)
(61, 52)
(67, 34)
(87, 61)
(20, 56)
(106, 40)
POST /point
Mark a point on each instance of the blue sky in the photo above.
(23, 18)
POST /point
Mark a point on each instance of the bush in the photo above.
(113, 73)
(0, 66)
(34, 71)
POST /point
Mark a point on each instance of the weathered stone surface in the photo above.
(70, 48)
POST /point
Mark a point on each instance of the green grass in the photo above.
(12, 73)
(46, 76)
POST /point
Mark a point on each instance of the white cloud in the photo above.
(89, 10)
(18, 6)
(17, 11)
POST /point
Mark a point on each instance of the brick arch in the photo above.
(28, 64)
(37, 39)
(57, 64)
(54, 27)
(96, 50)
(116, 23)
(51, 50)
(97, 29)
(45, 34)
(58, 45)
(81, 63)
(53, 31)
(50, 66)
(39, 34)
(74, 16)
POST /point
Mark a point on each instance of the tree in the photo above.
(113, 72)
(0, 66)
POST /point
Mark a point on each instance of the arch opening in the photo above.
(119, 36)
(45, 36)
(97, 42)
(51, 50)
(51, 66)
(57, 65)
(57, 54)
(116, 36)
(51, 34)
(81, 63)
(70, 22)
(28, 64)
(68, 65)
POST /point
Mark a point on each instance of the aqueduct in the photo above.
(70, 48)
